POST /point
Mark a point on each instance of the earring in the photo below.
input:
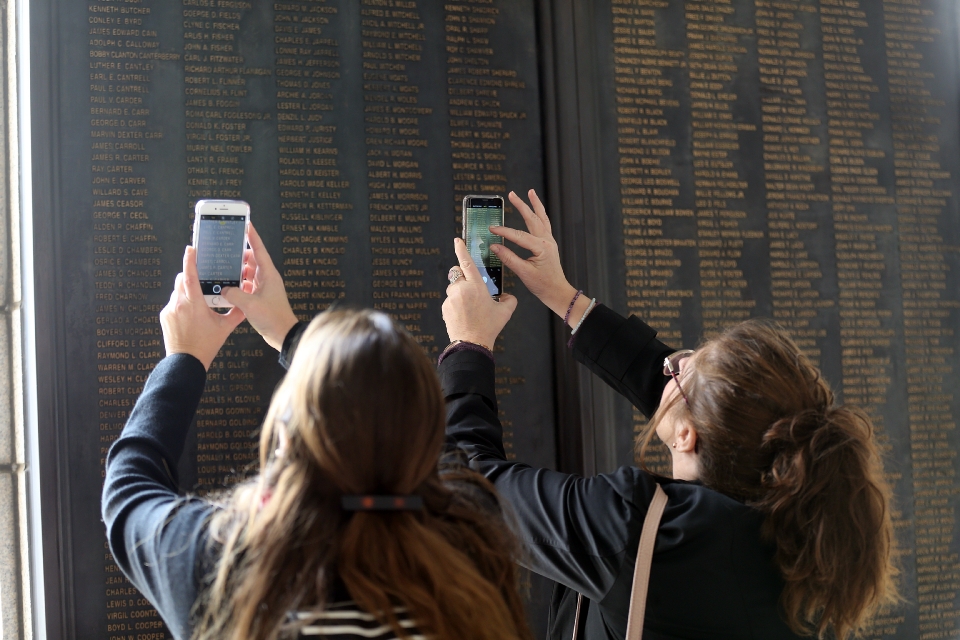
(674, 445)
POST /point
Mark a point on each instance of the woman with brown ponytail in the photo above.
(778, 519)
(349, 530)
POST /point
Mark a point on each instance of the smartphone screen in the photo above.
(480, 213)
(220, 251)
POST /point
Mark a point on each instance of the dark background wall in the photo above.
(703, 162)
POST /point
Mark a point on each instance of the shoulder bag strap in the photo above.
(641, 573)
(576, 618)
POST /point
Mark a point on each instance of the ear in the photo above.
(686, 438)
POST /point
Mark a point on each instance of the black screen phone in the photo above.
(480, 213)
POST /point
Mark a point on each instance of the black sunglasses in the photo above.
(671, 368)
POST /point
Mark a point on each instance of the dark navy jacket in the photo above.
(712, 577)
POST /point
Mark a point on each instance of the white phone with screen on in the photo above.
(219, 236)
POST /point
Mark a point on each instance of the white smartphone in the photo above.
(479, 214)
(220, 235)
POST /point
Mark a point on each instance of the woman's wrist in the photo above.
(579, 308)
(464, 345)
(559, 301)
(484, 341)
(278, 332)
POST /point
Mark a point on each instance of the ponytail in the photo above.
(769, 436)
(826, 505)
(283, 543)
(449, 569)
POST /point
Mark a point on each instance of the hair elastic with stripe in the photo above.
(381, 503)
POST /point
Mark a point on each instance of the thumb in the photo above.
(509, 302)
(237, 297)
(233, 317)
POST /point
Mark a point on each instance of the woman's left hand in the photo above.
(189, 325)
(469, 311)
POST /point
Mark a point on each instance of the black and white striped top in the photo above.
(345, 621)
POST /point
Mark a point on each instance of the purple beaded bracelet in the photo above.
(570, 308)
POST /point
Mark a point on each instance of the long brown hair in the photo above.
(363, 413)
(770, 435)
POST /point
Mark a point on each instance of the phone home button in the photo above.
(215, 300)
(216, 288)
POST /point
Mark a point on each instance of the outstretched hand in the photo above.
(189, 325)
(541, 272)
(469, 312)
(261, 295)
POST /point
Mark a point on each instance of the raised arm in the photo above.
(157, 537)
(577, 531)
(623, 352)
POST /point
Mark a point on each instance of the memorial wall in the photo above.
(793, 159)
(798, 160)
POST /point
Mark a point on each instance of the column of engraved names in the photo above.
(715, 44)
(123, 51)
(480, 132)
(657, 229)
(792, 137)
(312, 202)
(217, 143)
(923, 188)
(392, 40)
(862, 226)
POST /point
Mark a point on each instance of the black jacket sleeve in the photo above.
(624, 353)
(156, 536)
(577, 531)
(291, 342)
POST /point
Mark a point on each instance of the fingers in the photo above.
(260, 255)
(527, 241)
(539, 209)
(191, 279)
(511, 260)
(529, 217)
(250, 265)
(236, 296)
(470, 271)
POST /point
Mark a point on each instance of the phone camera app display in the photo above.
(220, 251)
(481, 214)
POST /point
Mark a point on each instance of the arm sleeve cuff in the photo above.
(611, 340)
(290, 344)
(466, 371)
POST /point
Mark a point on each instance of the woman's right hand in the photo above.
(262, 296)
(541, 272)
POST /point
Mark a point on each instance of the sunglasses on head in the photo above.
(671, 368)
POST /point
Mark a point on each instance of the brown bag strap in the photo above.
(641, 573)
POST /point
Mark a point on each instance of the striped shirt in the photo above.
(345, 621)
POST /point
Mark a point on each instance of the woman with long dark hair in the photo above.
(349, 530)
(778, 516)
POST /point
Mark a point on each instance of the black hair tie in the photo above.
(381, 503)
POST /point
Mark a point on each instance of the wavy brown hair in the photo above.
(362, 413)
(769, 434)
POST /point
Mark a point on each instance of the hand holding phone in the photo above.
(219, 236)
(479, 214)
